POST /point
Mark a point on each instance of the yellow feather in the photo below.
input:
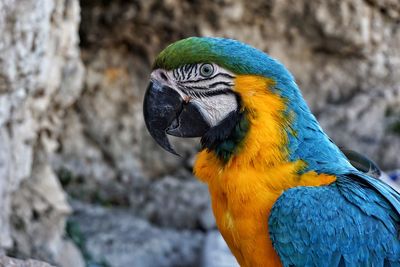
(244, 189)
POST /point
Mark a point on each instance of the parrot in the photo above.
(282, 192)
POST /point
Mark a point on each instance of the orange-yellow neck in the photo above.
(244, 189)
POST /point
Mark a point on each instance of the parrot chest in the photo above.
(244, 225)
(242, 197)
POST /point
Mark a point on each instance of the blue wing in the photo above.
(353, 222)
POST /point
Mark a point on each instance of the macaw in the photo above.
(282, 193)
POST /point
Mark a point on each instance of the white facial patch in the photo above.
(216, 108)
(207, 85)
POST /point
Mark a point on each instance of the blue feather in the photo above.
(344, 224)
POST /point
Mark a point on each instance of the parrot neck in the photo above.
(306, 141)
(225, 138)
(273, 155)
(273, 129)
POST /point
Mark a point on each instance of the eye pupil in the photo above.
(206, 70)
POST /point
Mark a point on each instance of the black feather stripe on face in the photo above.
(225, 138)
(191, 82)
(219, 133)
(218, 102)
(220, 74)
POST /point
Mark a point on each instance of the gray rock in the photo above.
(10, 262)
(39, 212)
(216, 252)
(344, 54)
(70, 255)
(121, 239)
(40, 75)
(172, 202)
(83, 169)
(207, 219)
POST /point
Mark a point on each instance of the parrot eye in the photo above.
(206, 70)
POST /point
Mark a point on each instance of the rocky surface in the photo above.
(118, 238)
(83, 122)
(40, 76)
(10, 262)
(216, 253)
(344, 55)
(182, 203)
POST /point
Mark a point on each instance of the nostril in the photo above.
(163, 76)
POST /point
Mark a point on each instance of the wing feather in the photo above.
(343, 224)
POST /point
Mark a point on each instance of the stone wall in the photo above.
(40, 77)
(83, 122)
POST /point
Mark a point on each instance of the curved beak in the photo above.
(165, 112)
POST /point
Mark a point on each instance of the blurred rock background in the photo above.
(81, 181)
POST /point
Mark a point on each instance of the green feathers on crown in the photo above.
(230, 54)
(187, 51)
(194, 50)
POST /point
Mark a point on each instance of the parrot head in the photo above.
(225, 92)
(192, 90)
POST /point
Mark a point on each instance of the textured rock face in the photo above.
(182, 203)
(216, 253)
(121, 239)
(344, 55)
(345, 58)
(88, 129)
(10, 262)
(40, 76)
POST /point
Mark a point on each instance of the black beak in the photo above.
(166, 112)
